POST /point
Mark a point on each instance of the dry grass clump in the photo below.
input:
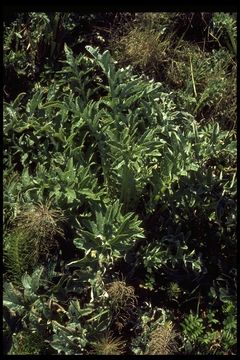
(123, 301)
(42, 221)
(121, 295)
(108, 345)
(162, 340)
(145, 49)
(32, 236)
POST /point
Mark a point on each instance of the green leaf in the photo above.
(71, 195)
(12, 298)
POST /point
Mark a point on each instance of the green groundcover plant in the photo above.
(119, 205)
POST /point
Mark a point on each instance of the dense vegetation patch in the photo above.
(120, 184)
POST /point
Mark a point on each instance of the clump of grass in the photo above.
(42, 221)
(109, 345)
(143, 42)
(162, 340)
(123, 301)
(205, 83)
(146, 50)
(178, 49)
(121, 295)
(33, 235)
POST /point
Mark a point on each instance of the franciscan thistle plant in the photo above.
(108, 236)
